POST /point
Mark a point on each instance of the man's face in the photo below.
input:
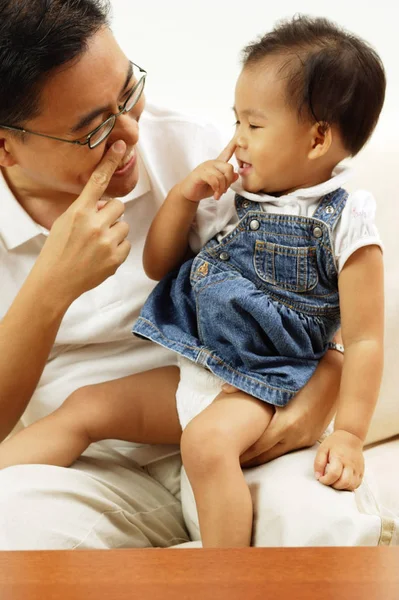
(83, 94)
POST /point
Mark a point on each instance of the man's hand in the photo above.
(213, 177)
(339, 461)
(87, 243)
(300, 423)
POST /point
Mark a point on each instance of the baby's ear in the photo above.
(6, 157)
(321, 139)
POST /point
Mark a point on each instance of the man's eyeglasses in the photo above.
(100, 133)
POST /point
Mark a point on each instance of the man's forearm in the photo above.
(27, 334)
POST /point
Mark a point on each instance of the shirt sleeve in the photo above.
(356, 227)
(212, 216)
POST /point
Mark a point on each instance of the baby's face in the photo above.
(272, 144)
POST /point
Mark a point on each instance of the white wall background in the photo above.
(191, 48)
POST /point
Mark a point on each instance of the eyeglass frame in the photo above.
(113, 117)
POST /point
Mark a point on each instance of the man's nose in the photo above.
(126, 128)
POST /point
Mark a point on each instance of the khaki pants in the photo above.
(106, 500)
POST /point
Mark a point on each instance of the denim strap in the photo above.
(243, 205)
(330, 207)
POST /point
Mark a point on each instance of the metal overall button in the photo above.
(246, 203)
(330, 210)
(224, 256)
(254, 225)
(317, 232)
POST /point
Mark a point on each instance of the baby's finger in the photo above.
(333, 470)
(358, 480)
(346, 481)
(218, 183)
(228, 151)
(212, 179)
(320, 462)
(228, 171)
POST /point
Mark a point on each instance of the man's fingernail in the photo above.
(317, 475)
(120, 146)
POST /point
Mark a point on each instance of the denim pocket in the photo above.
(287, 267)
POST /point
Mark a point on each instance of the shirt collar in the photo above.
(340, 176)
(17, 227)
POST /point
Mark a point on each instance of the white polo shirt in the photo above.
(94, 342)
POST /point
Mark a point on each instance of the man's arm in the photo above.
(27, 334)
(84, 247)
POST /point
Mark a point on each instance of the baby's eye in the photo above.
(254, 126)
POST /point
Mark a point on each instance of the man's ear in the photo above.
(6, 156)
(321, 140)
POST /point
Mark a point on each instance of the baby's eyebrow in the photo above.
(251, 112)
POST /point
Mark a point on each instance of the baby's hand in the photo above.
(213, 177)
(339, 461)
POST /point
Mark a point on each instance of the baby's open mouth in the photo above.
(243, 167)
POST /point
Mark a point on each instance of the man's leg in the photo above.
(293, 509)
(104, 501)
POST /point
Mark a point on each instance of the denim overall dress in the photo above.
(258, 307)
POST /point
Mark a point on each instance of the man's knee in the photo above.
(26, 519)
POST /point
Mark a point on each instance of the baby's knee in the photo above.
(85, 408)
(80, 398)
(204, 448)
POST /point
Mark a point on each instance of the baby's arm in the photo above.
(362, 317)
(167, 240)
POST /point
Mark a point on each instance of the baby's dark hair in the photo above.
(333, 76)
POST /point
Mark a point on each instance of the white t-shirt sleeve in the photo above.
(356, 227)
(212, 216)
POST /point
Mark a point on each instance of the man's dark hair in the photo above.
(332, 76)
(36, 38)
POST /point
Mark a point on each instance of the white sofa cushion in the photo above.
(381, 462)
(291, 508)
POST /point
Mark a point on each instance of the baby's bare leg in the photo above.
(138, 408)
(211, 448)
